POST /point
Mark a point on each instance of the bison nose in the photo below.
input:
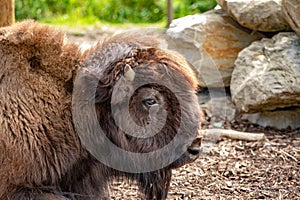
(195, 147)
(194, 150)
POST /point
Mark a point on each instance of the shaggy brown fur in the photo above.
(41, 154)
(38, 144)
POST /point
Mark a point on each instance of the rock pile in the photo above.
(252, 47)
(257, 15)
(211, 42)
(291, 13)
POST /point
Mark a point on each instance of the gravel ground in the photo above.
(232, 169)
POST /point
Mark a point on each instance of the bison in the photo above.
(139, 96)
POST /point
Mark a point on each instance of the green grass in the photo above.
(83, 25)
(71, 20)
(91, 12)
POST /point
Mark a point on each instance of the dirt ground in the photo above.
(232, 169)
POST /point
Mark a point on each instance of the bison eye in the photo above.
(149, 102)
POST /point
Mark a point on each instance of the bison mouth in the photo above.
(191, 154)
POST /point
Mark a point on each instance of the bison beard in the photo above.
(42, 156)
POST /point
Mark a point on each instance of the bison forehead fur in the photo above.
(42, 156)
(151, 65)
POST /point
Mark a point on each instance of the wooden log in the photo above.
(7, 12)
(232, 134)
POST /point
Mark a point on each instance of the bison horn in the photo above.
(129, 73)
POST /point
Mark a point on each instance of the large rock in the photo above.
(217, 104)
(258, 15)
(222, 109)
(210, 42)
(291, 13)
(280, 119)
(267, 74)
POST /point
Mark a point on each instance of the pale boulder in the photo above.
(280, 119)
(210, 42)
(291, 13)
(217, 104)
(260, 15)
(267, 74)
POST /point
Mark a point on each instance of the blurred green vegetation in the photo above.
(112, 11)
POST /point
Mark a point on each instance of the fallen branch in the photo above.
(221, 133)
(288, 155)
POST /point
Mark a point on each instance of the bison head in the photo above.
(144, 101)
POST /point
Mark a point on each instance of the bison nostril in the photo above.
(194, 151)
